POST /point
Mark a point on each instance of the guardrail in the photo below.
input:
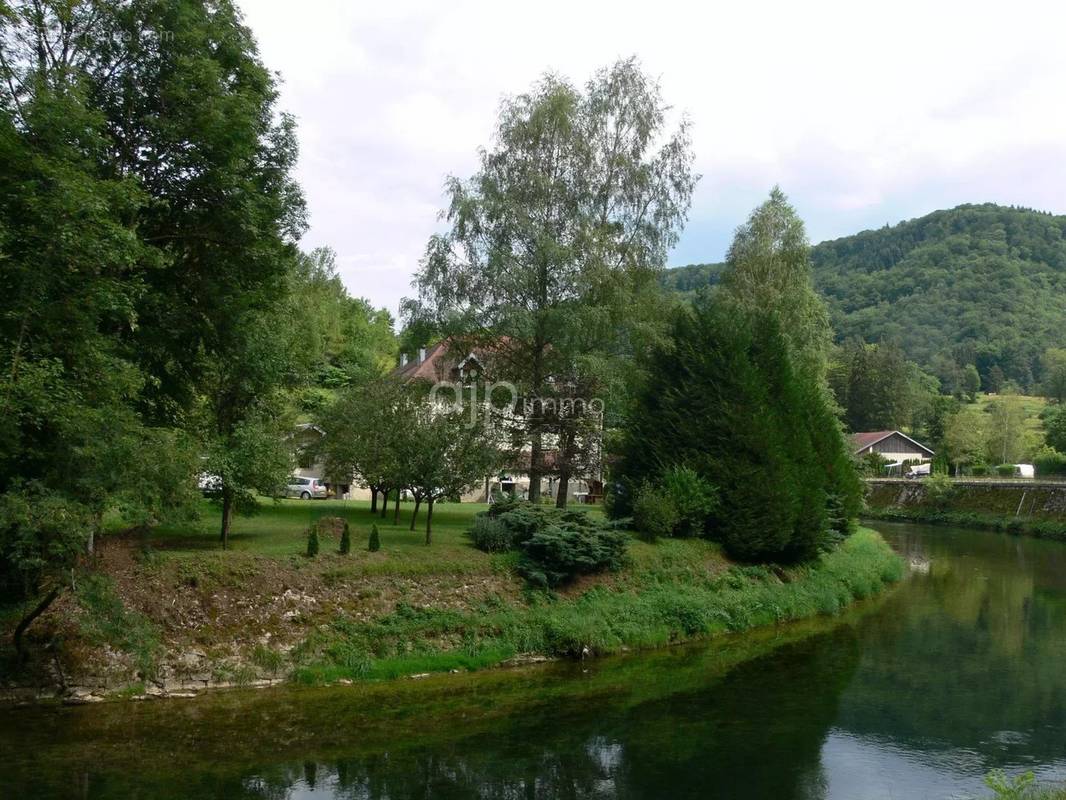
(1034, 483)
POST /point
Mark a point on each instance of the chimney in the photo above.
(403, 360)
(421, 354)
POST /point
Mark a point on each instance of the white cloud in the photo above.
(864, 114)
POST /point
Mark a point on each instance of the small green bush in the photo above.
(375, 540)
(979, 470)
(1050, 462)
(694, 498)
(1005, 470)
(312, 542)
(490, 534)
(346, 540)
(939, 488)
(557, 555)
(654, 512)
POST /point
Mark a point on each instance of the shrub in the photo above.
(312, 542)
(1050, 462)
(979, 470)
(654, 512)
(375, 540)
(694, 498)
(490, 534)
(1005, 470)
(556, 545)
(346, 540)
(557, 555)
(939, 488)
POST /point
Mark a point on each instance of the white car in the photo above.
(306, 488)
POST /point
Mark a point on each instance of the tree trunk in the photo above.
(566, 456)
(564, 488)
(429, 521)
(534, 465)
(227, 515)
(396, 511)
(384, 502)
(414, 514)
(16, 639)
(373, 499)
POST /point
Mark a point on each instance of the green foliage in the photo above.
(729, 404)
(655, 513)
(1004, 788)
(105, 620)
(1005, 470)
(768, 269)
(556, 554)
(490, 534)
(694, 498)
(374, 544)
(1055, 428)
(312, 541)
(658, 612)
(346, 539)
(1007, 442)
(556, 545)
(344, 341)
(965, 437)
(977, 284)
(1054, 363)
(591, 187)
(939, 488)
(41, 535)
(877, 387)
(1050, 462)
(971, 382)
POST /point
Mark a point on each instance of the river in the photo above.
(917, 694)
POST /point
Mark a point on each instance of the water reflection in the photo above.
(958, 671)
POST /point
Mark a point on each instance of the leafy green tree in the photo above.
(343, 340)
(364, 432)
(1055, 429)
(971, 382)
(965, 437)
(448, 452)
(1054, 362)
(1006, 442)
(566, 223)
(73, 443)
(768, 268)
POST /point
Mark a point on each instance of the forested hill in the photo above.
(977, 284)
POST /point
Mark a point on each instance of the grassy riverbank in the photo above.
(1018, 526)
(1030, 509)
(170, 612)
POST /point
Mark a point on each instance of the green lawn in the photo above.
(279, 529)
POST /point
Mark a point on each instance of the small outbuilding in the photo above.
(893, 446)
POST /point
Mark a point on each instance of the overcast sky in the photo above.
(864, 116)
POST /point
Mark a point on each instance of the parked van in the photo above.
(1024, 471)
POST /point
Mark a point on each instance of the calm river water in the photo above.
(918, 694)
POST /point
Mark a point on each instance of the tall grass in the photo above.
(649, 610)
